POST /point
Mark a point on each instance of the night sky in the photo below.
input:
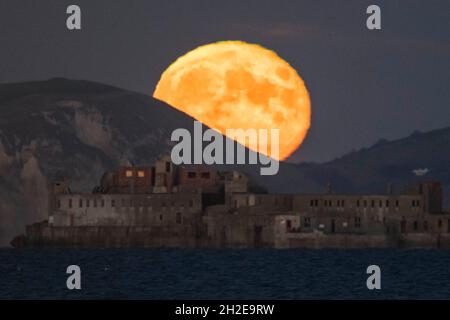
(364, 85)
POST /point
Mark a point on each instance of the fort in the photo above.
(190, 206)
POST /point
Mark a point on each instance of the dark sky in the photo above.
(364, 85)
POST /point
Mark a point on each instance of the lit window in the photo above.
(129, 173)
(141, 174)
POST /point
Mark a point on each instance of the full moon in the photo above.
(237, 85)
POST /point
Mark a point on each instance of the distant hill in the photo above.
(420, 156)
(81, 129)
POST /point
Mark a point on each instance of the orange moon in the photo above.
(237, 85)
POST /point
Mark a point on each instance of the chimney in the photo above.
(328, 189)
(389, 188)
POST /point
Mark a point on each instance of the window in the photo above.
(339, 203)
(192, 175)
(381, 203)
(425, 225)
(307, 222)
(160, 217)
(415, 226)
(288, 225)
(58, 203)
(311, 203)
(365, 203)
(325, 203)
(387, 203)
(129, 173)
(373, 203)
(123, 202)
(357, 203)
(87, 203)
(418, 203)
(343, 203)
(396, 203)
(439, 223)
(80, 203)
(70, 203)
(141, 174)
(103, 202)
(113, 203)
(191, 203)
(205, 175)
(179, 217)
(316, 203)
(167, 166)
(357, 222)
(95, 203)
(413, 203)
